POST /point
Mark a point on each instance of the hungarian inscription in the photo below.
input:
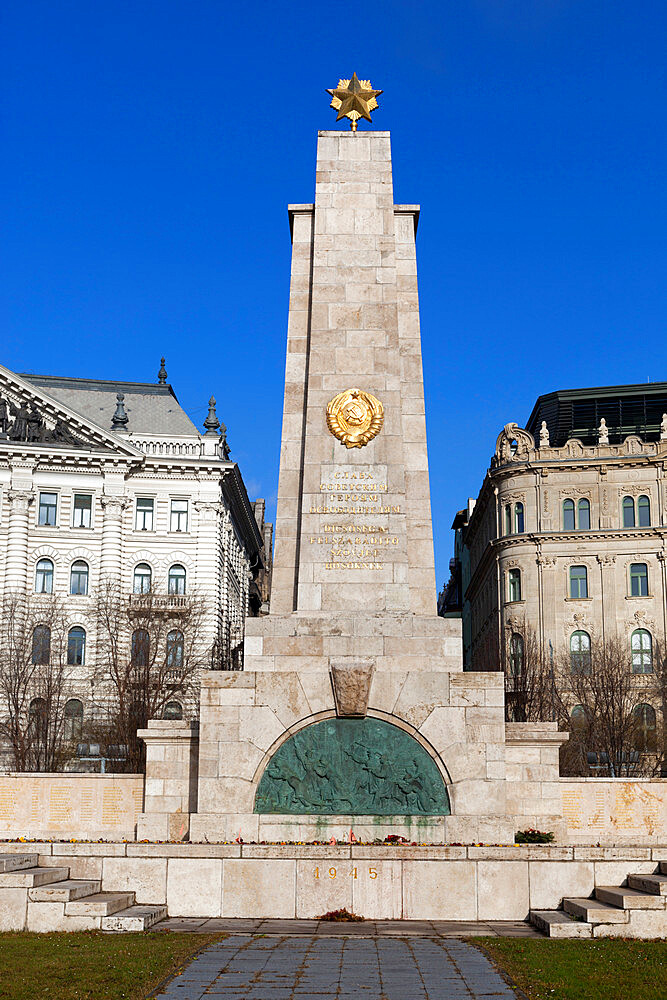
(352, 541)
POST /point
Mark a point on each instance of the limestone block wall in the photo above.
(614, 810)
(427, 883)
(302, 642)
(457, 718)
(61, 806)
(172, 758)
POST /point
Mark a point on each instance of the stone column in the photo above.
(170, 788)
(16, 566)
(112, 525)
(608, 594)
(209, 560)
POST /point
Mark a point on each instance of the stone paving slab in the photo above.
(365, 929)
(314, 967)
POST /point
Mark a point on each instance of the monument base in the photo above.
(296, 829)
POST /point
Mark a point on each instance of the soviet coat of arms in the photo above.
(355, 417)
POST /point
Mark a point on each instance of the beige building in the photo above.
(569, 531)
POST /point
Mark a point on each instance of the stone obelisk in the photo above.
(353, 528)
(352, 705)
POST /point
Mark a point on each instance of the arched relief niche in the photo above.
(361, 767)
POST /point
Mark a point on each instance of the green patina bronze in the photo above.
(360, 767)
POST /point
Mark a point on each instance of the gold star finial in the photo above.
(354, 99)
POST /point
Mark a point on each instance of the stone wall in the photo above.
(428, 883)
(60, 806)
(614, 810)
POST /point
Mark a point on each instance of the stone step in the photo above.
(63, 892)
(134, 918)
(663, 867)
(628, 899)
(656, 885)
(27, 878)
(15, 862)
(556, 924)
(99, 904)
(594, 911)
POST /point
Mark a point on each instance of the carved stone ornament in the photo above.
(513, 498)
(544, 435)
(513, 444)
(359, 767)
(20, 499)
(606, 559)
(351, 682)
(355, 417)
(642, 620)
(29, 425)
(543, 560)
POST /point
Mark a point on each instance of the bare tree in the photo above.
(149, 650)
(529, 679)
(33, 680)
(600, 700)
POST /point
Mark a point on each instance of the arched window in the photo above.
(140, 647)
(173, 710)
(176, 579)
(508, 519)
(41, 645)
(516, 654)
(645, 728)
(644, 512)
(568, 515)
(628, 512)
(143, 577)
(580, 653)
(584, 514)
(641, 645)
(638, 580)
(514, 581)
(76, 646)
(73, 719)
(38, 719)
(78, 578)
(175, 650)
(44, 577)
(519, 519)
(578, 582)
(578, 717)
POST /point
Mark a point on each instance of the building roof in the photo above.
(152, 408)
(576, 413)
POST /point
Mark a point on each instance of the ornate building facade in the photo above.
(569, 531)
(105, 481)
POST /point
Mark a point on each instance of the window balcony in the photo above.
(158, 602)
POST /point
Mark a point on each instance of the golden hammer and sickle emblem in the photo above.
(355, 417)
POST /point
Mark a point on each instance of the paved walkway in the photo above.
(245, 967)
(367, 928)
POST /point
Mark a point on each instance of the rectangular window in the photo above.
(578, 582)
(514, 585)
(48, 507)
(83, 509)
(145, 507)
(179, 515)
(638, 580)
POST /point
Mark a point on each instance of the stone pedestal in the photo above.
(170, 790)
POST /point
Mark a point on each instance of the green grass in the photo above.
(90, 965)
(583, 970)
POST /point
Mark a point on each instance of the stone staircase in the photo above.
(35, 898)
(635, 910)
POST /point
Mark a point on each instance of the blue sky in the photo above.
(149, 151)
